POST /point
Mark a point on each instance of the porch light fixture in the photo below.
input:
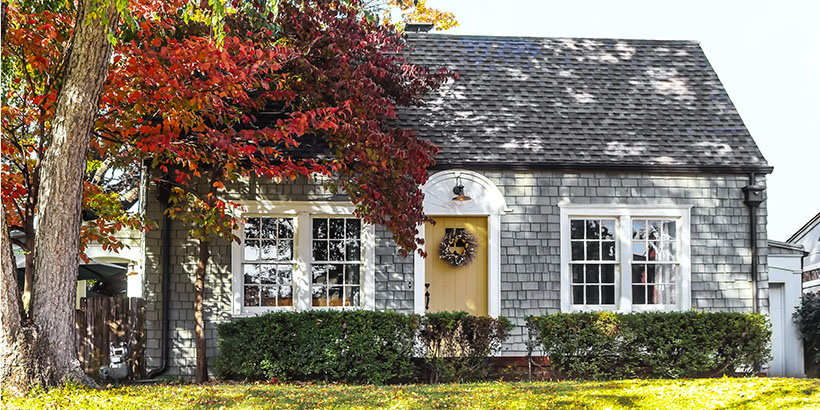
(458, 190)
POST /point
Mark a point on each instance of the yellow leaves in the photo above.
(418, 12)
(752, 393)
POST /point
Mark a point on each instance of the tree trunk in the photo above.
(56, 249)
(199, 317)
(22, 361)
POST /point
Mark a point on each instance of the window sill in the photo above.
(630, 309)
(256, 311)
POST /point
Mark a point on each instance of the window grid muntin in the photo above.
(594, 292)
(351, 293)
(283, 268)
(642, 287)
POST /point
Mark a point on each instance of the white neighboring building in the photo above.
(809, 238)
(785, 290)
(130, 257)
(794, 269)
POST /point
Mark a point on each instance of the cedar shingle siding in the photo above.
(530, 254)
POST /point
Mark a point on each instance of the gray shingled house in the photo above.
(593, 174)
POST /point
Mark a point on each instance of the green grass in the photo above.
(724, 393)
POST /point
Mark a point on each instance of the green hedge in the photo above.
(457, 345)
(358, 346)
(352, 346)
(651, 345)
(807, 318)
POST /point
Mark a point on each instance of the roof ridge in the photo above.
(501, 37)
(804, 229)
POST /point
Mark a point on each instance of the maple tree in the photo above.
(210, 103)
(47, 143)
(35, 50)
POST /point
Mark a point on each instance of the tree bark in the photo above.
(199, 317)
(56, 249)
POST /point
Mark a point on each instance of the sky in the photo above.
(766, 53)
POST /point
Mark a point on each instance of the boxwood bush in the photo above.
(651, 345)
(351, 346)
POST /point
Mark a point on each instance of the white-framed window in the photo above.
(267, 261)
(655, 261)
(625, 257)
(302, 256)
(593, 261)
(336, 264)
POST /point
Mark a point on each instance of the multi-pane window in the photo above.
(268, 261)
(625, 257)
(654, 262)
(593, 262)
(336, 267)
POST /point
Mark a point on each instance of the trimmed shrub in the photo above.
(651, 345)
(457, 345)
(350, 346)
(807, 318)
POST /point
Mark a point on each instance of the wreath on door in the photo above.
(458, 248)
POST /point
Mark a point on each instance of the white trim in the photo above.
(303, 213)
(810, 284)
(487, 200)
(624, 214)
(265, 208)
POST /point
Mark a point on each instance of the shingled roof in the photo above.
(578, 103)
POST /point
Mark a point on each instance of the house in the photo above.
(591, 174)
(808, 236)
(105, 272)
(785, 290)
(794, 269)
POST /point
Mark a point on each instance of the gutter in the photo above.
(166, 289)
(575, 166)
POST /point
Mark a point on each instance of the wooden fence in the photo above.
(102, 321)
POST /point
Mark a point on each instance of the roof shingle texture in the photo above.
(589, 103)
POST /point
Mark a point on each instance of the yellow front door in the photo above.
(451, 288)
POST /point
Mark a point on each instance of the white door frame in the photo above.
(487, 200)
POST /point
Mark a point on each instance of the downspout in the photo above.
(166, 287)
(753, 197)
(753, 235)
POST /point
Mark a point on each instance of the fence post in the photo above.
(136, 342)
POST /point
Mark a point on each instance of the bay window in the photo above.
(624, 258)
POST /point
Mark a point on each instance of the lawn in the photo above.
(750, 393)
